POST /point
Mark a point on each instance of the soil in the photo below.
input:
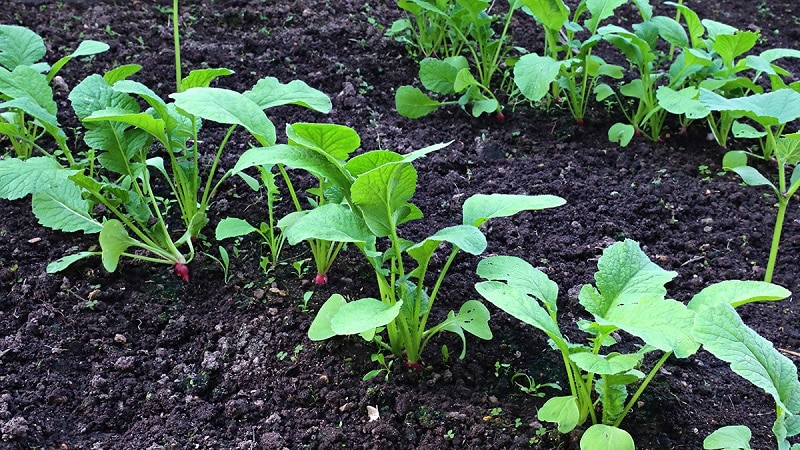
(139, 359)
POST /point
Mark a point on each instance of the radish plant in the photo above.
(630, 296)
(567, 68)
(469, 29)
(28, 110)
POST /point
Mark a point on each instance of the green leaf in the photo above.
(43, 118)
(269, 92)
(121, 73)
(336, 140)
(736, 161)
(331, 222)
(561, 410)
(479, 208)
(382, 195)
(464, 80)
(606, 437)
(437, 75)
(671, 31)
(600, 10)
(19, 178)
(774, 108)
(20, 46)
(630, 295)
(722, 333)
(550, 13)
(320, 328)
(473, 317)
(114, 240)
(533, 75)
(737, 293)
(521, 275)
(413, 103)
(730, 437)
(62, 208)
(203, 77)
(143, 121)
(233, 227)
(228, 107)
(25, 82)
(614, 363)
(363, 315)
(515, 302)
(466, 237)
(730, 46)
(94, 94)
(683, 102)
(484, 106)
(66, 261)
(621, 133)
(85, 48)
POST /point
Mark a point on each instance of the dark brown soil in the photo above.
(158, 363)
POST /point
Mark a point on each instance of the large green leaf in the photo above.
(521, 275)
(25, 82)
(722, 333)
(336, 140)
(600, 10)
(20, 46)
(94, 94)
(606, 437)
(19, 178)
(143, 121)
(382, 194)
(630, 295)
(62, 207)
(363, 315)
(269, 92)
(773, 108)
(331, 222)
(228, 107)
(614, 363)
(730, 437)
(439, 76)
(479, 208)
(683, 102)
(533, 75)
(519, 305)
(730, 46)
(550, 13)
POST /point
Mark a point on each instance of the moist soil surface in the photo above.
(140, 359)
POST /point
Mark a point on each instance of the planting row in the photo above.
(138, 173)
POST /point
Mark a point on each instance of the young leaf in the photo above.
(203, 77)
(606, 437)
(114, 240)
(85, 48)
(362, 315)
(466, 237)
(621, 133)
(562, 410)
(336, 140)
(473, 317)
(722, 333)
(551, 13)
(729, 46)
(683, 102)
(519, 305)
(737, 293)
(437, 75)
(479, 208)
(233, 227)
(600, 10)
(736, 160)
(66, 261)
(382, 194)
(413, 103)
(320, 328)
(533, 75)
(606, 364)
(269, 92)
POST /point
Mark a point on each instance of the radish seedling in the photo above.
(630, 296)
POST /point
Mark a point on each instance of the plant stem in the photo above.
(639, 391)
(177, 41)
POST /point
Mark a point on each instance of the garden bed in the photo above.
(140, 359)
